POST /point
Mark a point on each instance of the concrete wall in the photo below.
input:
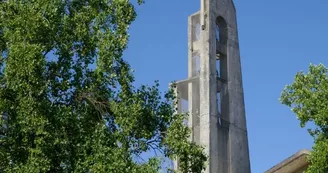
(214, 89)
(297, 163)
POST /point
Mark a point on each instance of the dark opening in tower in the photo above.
(221, 37)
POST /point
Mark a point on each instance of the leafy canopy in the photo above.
(307, 96)
(67, 100)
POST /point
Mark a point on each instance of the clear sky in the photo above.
(277, 39)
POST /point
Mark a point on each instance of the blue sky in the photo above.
(277, 39)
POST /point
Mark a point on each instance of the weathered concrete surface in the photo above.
(296, 163)
(215, 94)
(229, 152)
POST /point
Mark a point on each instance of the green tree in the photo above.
(67, 100)
(307, 96)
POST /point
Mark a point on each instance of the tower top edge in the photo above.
(195, 14)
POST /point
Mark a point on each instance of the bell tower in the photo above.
(213, 92)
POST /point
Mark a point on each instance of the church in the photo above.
(213, 93)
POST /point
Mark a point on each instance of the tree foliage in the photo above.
(307, 96)
(67, 100)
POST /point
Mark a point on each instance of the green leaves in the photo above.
(307, 97)
(67, 100)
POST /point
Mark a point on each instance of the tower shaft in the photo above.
(213, 90)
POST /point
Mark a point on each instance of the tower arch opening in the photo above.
(221, 63)
(221, 37)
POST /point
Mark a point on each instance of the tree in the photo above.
(67, 100)
(307, 96)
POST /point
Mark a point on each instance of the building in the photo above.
(296, 163)
(213, 92)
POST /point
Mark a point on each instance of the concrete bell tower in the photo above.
(213, 93)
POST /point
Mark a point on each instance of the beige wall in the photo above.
(301, 170)
(296, 163)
